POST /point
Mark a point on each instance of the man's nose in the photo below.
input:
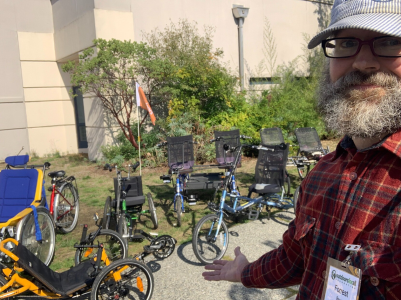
(366, 61)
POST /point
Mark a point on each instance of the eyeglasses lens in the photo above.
(347, 47)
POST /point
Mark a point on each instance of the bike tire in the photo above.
(114, 245)
(178, 209)
(26, 235)
(66, 208)
(167, 250)
(152, 211)
(122, 228)
(106, 213)
(302, 170)
(205, 249)
(129, 286)
(295, 199)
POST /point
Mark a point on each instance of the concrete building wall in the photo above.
(289, 20)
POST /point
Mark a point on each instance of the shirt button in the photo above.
(353, 176)
(324, 274)
(374, 281)
(338, 225)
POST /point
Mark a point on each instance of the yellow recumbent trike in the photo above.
(122, 279)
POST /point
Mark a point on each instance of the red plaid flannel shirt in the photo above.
(350, 197)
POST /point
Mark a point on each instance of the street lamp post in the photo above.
(240, 13)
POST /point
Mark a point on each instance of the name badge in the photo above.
(342, 282)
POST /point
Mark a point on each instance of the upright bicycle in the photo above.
(121, 213)
(210, 236)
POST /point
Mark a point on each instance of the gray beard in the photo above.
(369, 113)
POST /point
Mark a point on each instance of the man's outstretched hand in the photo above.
(227, 270)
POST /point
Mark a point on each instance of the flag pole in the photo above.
(139, 144)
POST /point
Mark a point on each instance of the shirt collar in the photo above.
(391, 142)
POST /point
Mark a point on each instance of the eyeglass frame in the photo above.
(361, 43)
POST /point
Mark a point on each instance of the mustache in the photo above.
(349, 80)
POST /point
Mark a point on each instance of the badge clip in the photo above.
(352, 249)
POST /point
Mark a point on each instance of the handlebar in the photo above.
(281, 146)
(219, 138)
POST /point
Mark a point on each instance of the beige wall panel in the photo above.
(93, 109)
(50, 113)
(16, 139)
(43, 74)
(47, 94)
(67, 11)
(36, 46)
(12, 115)
(96, 138)
(10, 67)
(34, 15)
(120, 5)
(114, 24)
(75, 36)
(48, 140)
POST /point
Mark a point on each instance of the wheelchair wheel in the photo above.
(135, 281)
(122, 228)
(26, 235)
(178, 209)
(106, 213)
(114, 245)
(205, 247)
(152, 211)
(295, 199)
(167, 249)
(66, 208)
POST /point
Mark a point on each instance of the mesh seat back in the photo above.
(271, 136)
(270, 167)
(180, 152)
(230, 138)
(133, 186)
(308, 139)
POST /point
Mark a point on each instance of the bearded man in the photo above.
(352, 198)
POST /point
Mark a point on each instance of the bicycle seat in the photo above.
(263, 188)
(56, 174)
(18, 160)
(64, 283)
(130, 201)
(19, 189)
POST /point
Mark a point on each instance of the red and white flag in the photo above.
(143, 102)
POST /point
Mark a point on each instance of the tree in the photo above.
(110, 75)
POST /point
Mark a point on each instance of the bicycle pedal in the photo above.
(253, 214)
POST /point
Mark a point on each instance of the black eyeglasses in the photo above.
(383, 46)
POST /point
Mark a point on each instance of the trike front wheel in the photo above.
(207, 243)
(178, 209)
(124, 279)
(113, 243)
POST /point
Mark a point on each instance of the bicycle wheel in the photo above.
(114, 245)
(135, 281)
(168, 246)
(207, 247)
(178, 209)
(122, 228)
(295, 199)
(26, 235)
(66, 208)
(106, 213)
(152, 211)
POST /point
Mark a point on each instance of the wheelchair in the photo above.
(26, 274)
(121, 213)
(23, 212)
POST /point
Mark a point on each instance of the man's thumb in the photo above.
(237, 251)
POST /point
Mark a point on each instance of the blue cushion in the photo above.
(18, 160)
(17, 191)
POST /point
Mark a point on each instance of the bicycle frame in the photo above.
(179, 188)
(55, 191)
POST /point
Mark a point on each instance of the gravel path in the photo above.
(179, 276)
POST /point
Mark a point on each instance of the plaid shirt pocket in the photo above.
(303, 224)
